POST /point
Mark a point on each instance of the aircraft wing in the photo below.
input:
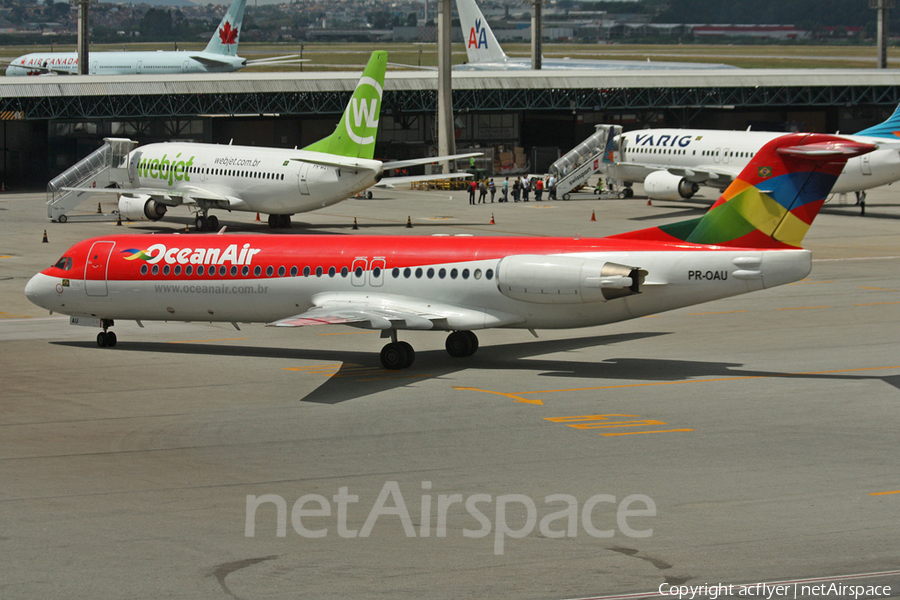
(711, 175)
(399, 164)
(391, 311)
(209, 61)
(389, 182)
(183, 195)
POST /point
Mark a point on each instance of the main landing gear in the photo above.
(400, 355)
(279, 221)
(106, 339)
(204, 222)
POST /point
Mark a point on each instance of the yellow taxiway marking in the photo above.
(513, 396)
(6, 256)
(884, 493)
(603, 422)
(4, 315)
(205, 341)
(877, 289)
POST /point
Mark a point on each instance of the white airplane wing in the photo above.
(399, 164)
(183, 195)
(390, 311)
(702, 174)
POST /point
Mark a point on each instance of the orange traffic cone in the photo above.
(355, 226)
(257, 217)
(649, 203)
(593, 216)
(99, 212)
(408, 222)
(44, 241)
(492, 219)
(119, 220)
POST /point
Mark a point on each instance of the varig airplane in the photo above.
(485, 54)
(674, 163)
(749, 240)
(220, 56)
(274, 181)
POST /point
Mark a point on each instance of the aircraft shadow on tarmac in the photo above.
(360, 373)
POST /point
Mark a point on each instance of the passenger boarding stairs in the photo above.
(576, 167)
(108, 164)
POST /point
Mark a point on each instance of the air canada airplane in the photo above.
(274, 181)
(220, 56)
(485, 54)
(749, 240)
(673, 163)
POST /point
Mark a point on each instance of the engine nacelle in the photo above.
(141, 208)
(662, 185)
(565, 279)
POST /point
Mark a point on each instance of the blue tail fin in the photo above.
(889, 129)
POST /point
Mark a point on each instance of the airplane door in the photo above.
(203, 173)
(725, 158)
(376, 275)
(717, 155)
(865, 164)
(358, 274)
(186, 67)
(140, 66)
(304, 178)
(95, 269)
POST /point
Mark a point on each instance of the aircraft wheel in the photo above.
(461, 343)
(629, 192)
(410, 354)
(212, 222)
(110, 339)
(201, 223)
(368, 195)
(284, 221)
(103, 339)
(395, 356)
(273, 221)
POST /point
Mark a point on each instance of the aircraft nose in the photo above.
(40, 289)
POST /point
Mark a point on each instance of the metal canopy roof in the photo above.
(150, 96)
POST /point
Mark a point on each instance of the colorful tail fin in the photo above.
(225, 39)
(889, 129)
(481, 45)
(774, 200)
(355, 134)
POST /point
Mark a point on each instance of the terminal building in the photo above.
(49, 123)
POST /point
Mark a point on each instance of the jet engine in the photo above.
(565, 279)
(662, 185)
(141, 208)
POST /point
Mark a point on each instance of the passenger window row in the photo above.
(294, 271)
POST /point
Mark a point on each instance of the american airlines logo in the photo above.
(478, 36)
(194, 256)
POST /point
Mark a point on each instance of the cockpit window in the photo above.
(65, 263)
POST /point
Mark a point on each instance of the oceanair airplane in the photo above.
(749, 240)
(220, 56)
(274, 181)
(673, 163)
(485, 54)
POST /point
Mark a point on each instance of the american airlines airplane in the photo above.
(220, 56)
(673, 163)
(485, 54)
(274, 181)
(749, 240)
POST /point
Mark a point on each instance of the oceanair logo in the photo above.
(663, 141)
(194, 256)
(165, 169)
(362, 118)
(478, 36)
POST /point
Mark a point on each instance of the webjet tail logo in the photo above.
(362, 120)
(478, 36)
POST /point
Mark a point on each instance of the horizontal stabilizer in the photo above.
(399, 164)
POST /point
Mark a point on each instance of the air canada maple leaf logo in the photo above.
(227, 34)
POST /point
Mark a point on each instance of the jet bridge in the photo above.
(575, 167)
(106, 165)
